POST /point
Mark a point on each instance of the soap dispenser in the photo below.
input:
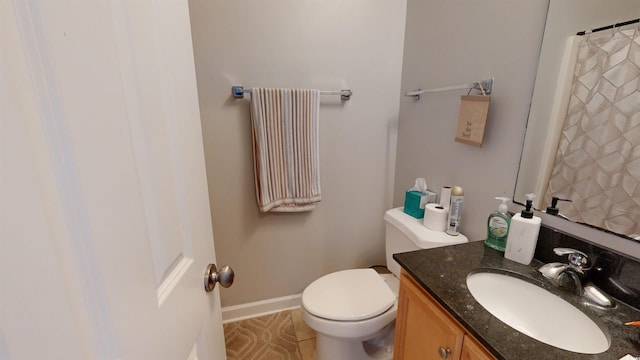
(523, 234)
(498, 226)
(553, 209)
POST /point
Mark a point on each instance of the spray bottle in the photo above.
(455, 210)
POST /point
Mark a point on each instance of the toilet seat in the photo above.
(348, 295)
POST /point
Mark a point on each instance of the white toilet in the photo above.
(354, 311)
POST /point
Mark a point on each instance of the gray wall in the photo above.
(450, 42)
(329, 44)
(322, 44)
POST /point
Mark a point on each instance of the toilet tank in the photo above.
(406, 233)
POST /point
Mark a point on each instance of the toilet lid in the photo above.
(348, 295)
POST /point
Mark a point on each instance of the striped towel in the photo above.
(284, 124)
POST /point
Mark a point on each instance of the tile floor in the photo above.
(282, 335)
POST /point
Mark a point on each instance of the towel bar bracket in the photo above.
(237, 91)
(345, 94)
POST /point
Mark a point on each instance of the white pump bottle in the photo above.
(523, 234)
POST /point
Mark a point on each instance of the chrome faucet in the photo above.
(578, 263)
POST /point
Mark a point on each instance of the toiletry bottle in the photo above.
(523, 234)
(455, 210)
(553, 209)
(498, 226)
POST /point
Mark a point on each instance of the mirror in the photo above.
(551, 99)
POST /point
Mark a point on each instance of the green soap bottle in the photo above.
(498, 227)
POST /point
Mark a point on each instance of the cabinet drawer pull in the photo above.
(444, 352)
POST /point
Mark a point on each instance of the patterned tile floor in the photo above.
(282, 335)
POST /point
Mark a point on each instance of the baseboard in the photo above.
(259, 308)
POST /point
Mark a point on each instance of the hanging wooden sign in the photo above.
(473, 119)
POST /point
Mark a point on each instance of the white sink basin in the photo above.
(537, 313)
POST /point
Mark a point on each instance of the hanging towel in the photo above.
(284, 125)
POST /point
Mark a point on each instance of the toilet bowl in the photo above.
(353, 311)
(347, 308)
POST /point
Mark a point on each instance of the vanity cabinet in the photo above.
(425, 330)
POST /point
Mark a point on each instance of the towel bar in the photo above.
(487, 85)
(345, 94)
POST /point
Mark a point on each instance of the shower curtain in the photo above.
(597, 164)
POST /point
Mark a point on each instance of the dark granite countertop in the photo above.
(442, 272)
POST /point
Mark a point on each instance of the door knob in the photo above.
(213, 276)
(444, 352)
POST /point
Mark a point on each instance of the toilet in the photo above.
(353, 311)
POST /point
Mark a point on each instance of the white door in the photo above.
(105, 228)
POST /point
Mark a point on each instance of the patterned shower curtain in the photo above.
(597, 165)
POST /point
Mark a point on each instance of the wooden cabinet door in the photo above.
(422, 328)
(471, 350)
